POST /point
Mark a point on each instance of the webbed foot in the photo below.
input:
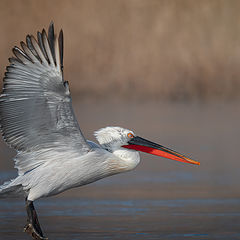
(29, 228)
(33, 227)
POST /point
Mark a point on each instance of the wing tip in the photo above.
(51, 40)
(60, 43)
(22, 56)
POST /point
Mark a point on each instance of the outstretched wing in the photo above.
(35, 106)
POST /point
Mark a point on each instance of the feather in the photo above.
(38, 50)
(31, 48)
(47, 47)
(51, 39)
(20, 55)
(30, 55)
(40, 42)
(13, 60)
(60, 43)
(58, 64)
(34, 88)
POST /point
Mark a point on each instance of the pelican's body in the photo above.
(38, 121)
(63, 169)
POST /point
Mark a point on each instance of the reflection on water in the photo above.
(161, 199)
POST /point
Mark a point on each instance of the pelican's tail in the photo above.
(11, 189)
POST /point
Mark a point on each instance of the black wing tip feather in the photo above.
(41, 45)
(20, 55)
(51, 39)
(15, 50)
(60, 43)
(51, 25)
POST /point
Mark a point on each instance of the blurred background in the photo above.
(177, 50)
(169, 70)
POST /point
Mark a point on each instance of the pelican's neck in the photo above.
(127, 159)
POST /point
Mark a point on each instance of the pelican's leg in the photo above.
(33, 227)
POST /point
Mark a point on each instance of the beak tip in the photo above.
(196, 163)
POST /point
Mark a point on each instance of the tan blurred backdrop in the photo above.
(139, 49)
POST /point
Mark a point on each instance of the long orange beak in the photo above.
(143, 145)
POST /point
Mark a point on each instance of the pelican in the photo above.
(37, 120)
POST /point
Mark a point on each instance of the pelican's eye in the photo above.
(130, 135)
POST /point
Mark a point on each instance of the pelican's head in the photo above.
(113, 138)
(117, 139)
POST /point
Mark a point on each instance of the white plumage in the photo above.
(38, 121)
(62, 168)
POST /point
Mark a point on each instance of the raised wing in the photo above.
(35, 106)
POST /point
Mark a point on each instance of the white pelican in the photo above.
(38, 121)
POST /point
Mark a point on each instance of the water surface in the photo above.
(160, 199)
